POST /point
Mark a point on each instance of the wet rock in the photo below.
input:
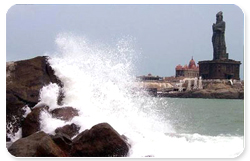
(36, 145)
(126, 139)
(63, 141)
(31, 123)
(64, 113)
(70, 130)
(100, 141)
(7, 138)
(24, 79)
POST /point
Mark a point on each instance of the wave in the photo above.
(98, 80)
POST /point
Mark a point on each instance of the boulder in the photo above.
(63, 141)
(31, 123)
(69, 130)
(36, 145)
(100, 141)
(64, 113)
(24, 79)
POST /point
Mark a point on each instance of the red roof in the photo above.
(192, 64)
(178, 67)
(185, 67)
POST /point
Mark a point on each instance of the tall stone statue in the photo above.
(218, 38)
(220, 67)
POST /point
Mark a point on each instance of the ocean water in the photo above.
(211, 117)
(99, 80)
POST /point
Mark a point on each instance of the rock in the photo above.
(64, 113)
(126, 139)
(241, 95)
(216, 86)
(63, 141)
(31, 123)
(70, 130)
(7, 138)
(24, 79)
(36, 145)
(100, 141)
(211, 90)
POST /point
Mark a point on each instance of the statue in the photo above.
(218, 38)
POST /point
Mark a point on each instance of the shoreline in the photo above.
(211, 89)
(201, 94)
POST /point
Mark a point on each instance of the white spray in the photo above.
(98, 81)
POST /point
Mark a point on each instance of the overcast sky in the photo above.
(166, 35)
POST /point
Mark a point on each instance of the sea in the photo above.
(98, 80)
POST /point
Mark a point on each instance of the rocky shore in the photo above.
(216, 90)
(24, 80)
(219, 94)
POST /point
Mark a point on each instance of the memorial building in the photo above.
(188, 71)
(221, 67)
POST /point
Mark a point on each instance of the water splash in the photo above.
(98, 80)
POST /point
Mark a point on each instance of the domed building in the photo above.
(189, 71)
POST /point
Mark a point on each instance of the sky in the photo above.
(166, 35)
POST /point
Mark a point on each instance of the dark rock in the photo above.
(31, 123)
(100, 141)
(24, 79)
(64, 113)
(70, 130)
(63, 141)
(126, 139)
(36, 145)
(241, 95)
(7, 138)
